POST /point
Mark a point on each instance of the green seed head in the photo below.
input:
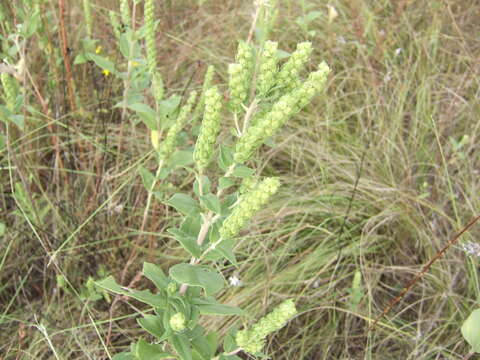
(10, 90)
(264, 127)
(268, 68)
(209, 129)
(252, 340)
(149, 11)
(240, 75)
(288, 77)
(169, 144)
(315, 83)
(248, 205)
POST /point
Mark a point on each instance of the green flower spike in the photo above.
(209, 129)
(249, 204)
(240, 75)
(288, 76)
(168, 145)
(252, 340)
(149, 11)
(207, 84)
(264, 128)
(315, 83)
(178, 322)
(9, 89)
(268, 68)
(237, 85)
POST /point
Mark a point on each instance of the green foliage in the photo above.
(212, 220)
(471, 330)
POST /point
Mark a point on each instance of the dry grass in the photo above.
(404, 91)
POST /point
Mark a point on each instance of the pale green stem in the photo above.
(208, 220)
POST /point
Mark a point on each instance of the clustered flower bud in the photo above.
(314, 84)
(252, 340)
(288, 76)
(264, 128)
(171, 288)
(168, 145)
(149, 13)
(207, 84)
(178, 322)
(248, 184)
(209, 129)
(248, 205)
(9, 88)
(240, 75)
(268, 68)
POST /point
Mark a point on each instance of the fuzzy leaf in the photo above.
(183, 203)
(210, 306)
(153, 325)
(182, 346)
(156, 275)
(471, 330)
(195, 275)
(188, 242)
(146, 351)
(242, 171)
(211, 202)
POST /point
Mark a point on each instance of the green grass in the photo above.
(78, 213)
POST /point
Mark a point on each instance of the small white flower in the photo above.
(398, 51)
(234, 281)
(471, 248)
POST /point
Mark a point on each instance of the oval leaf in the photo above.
(195, 275)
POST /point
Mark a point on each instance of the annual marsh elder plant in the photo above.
(262, 97)
(227, 193)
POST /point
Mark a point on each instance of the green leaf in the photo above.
(182, 346)
(471, 330)
(224, 249)
(242, 171)
(212, 339)
(147, 177)
(188, 242)
(156, 275)
(225, 183)
(225, 159)
(182, 158)
(202, 347)
(195, 275)
(153, 325)
(211, 202)
(206, 186)
(229, 343)
(146, 113)
(210, 306)
(169, 106)
(124, 44)
(146, 351)
(80, 59)
(102, 62)
(144, 296)
(183, 203)
(229, 357)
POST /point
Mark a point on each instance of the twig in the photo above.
(424, 270)
(66, 58)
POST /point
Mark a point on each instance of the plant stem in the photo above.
(209, 220)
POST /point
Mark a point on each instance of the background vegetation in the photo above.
(377, 176)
